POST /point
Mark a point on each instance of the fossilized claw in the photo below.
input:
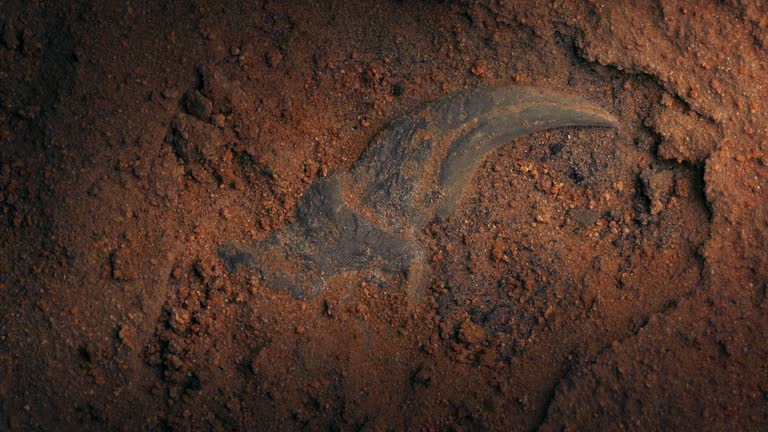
(414, 169)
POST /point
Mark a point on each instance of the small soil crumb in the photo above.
(471, 333)
(479, 68)
(657, 187)
(129, 337)
(274, 57)
(179, 320)
(219, 120)
(497, 251)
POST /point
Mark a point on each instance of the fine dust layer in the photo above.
(440, 269)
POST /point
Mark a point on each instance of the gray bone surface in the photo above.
(414, 169)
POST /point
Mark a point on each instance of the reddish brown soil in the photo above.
(592, 279)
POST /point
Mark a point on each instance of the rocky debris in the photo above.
(179, 319)
(658, 187)
(497, 250)
(219, 120)
(479, 68)
(471, 333)
(194, 140)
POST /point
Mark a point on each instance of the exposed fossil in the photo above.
(414, 169)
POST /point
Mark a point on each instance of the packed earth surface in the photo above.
(590, 279)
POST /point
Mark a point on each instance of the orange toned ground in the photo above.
(591, 279)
